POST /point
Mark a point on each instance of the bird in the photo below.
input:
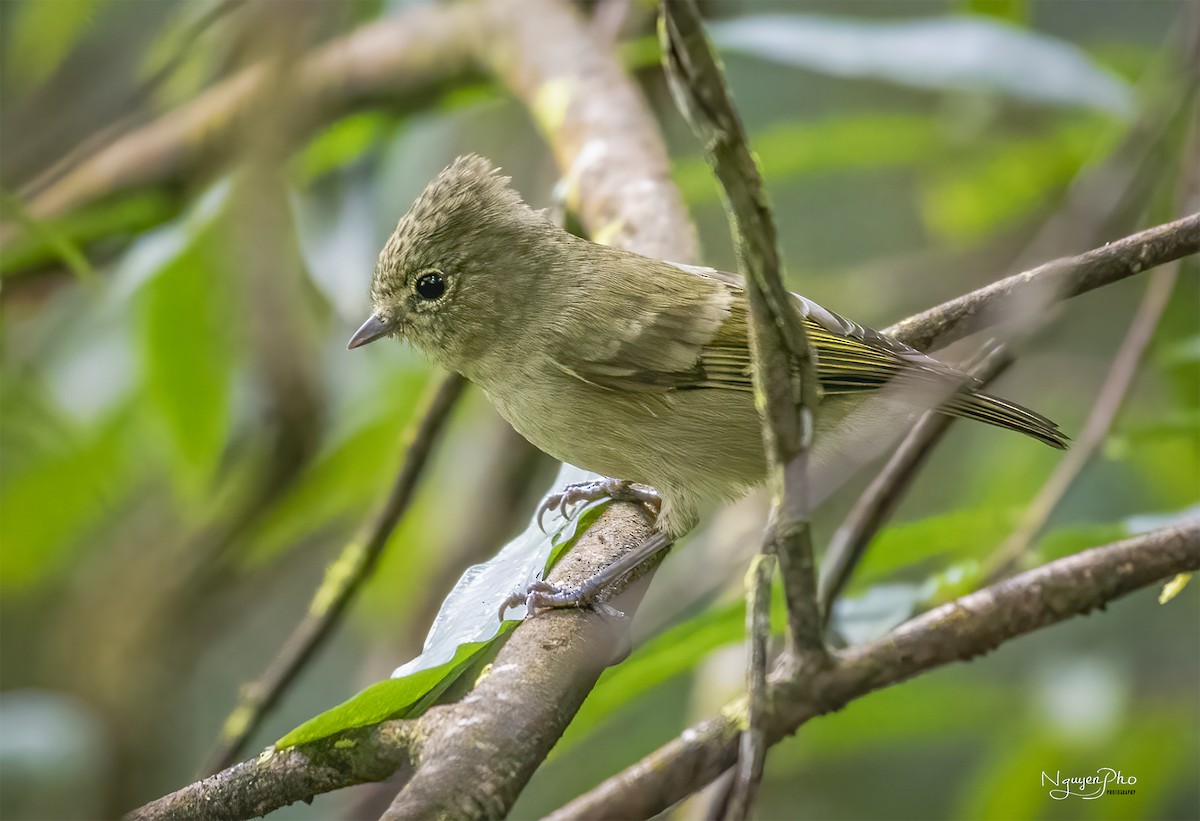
(634, 368)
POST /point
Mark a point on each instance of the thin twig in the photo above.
(958, 631)
(876, 504)
(780, 353)
(752, 751)
(1108, 402)
(343, 578)
(779, 345)
(1057, 280)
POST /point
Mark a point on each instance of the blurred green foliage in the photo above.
(172, 481)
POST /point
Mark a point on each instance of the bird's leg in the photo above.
(582, 492)
(543, 595)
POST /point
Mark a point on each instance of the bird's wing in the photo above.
(850, 357)
(676, 338)
(655, 341)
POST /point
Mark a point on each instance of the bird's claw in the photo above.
(543, 595)
(572, 496)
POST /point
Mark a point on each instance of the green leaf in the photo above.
(341, 143)
(989, 56)
(465, 628)
(59, 238)
(48, 507)
(392, 698)
(187, 345)
(905, 719)
(43, 34)
(1066, 541)
(1001, 184)
(670, 654)
(936, 540)
(49, 237)
(346, 476)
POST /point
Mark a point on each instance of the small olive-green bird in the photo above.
(627, 366)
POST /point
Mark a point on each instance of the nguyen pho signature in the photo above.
(1088, 787)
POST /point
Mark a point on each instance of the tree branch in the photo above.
(785, 384)
(277, 779)
(1060, 279)
(958, 631)
(786, 390)
(605, 138)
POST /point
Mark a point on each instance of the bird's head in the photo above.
(454, 274)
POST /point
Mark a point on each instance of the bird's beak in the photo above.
(372, 329)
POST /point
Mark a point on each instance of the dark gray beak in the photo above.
(372, 329)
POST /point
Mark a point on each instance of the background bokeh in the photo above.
(185, 443)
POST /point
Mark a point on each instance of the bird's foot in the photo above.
(543, 595)
(572, 496)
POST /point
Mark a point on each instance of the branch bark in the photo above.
(785, 382)
(605, 138)
(959, 631)
(1057, 280)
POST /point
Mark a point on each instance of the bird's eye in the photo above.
(431, 286)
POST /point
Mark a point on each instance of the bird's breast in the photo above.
(701, 442)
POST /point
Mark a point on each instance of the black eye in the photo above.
(431, 286)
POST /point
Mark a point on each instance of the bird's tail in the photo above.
(984, 407)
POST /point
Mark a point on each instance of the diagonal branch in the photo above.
(1057, 280)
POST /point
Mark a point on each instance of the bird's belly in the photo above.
(697, 447)
(704, 443)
